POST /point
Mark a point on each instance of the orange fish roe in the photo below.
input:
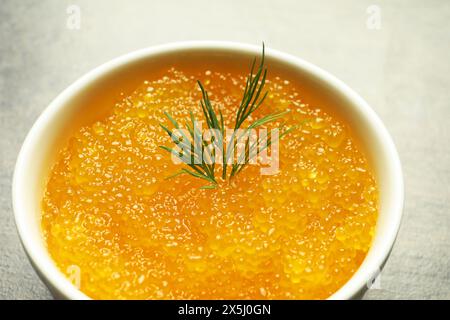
(302, 233)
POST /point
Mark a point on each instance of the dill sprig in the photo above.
(199, 167)
(194, 159)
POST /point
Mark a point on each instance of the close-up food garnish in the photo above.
(139, 225)
(202, 159)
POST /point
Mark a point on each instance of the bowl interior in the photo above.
(91, 97)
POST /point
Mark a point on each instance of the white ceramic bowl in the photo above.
(63, 114)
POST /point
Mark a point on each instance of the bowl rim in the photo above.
(41, 260)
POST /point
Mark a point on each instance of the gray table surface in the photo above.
(401, 69)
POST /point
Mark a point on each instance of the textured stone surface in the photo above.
(402, 70)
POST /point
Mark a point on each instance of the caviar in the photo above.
(132, 234)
